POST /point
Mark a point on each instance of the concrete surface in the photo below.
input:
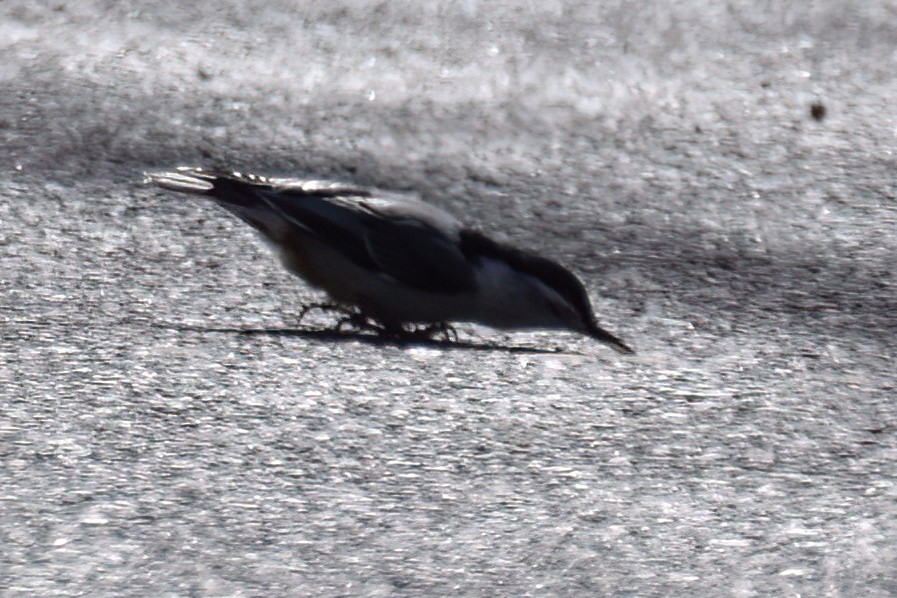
(665, 151)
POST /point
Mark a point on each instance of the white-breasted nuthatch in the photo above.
(396, 259)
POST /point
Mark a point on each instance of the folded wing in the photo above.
(400, 238)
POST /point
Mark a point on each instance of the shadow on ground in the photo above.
(331, 335)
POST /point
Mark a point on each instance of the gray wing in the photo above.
(401, 238)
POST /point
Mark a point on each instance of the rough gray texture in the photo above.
(665, 153)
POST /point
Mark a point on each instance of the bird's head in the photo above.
(547, 295)
(565, 304)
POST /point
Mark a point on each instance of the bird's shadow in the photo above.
(332, 335)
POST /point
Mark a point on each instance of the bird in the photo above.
(395, 260)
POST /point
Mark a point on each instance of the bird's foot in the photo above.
(323, 306)
(355, 320)
(432, 331)
(428, 332)
(359, 322)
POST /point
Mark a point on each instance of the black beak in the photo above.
(596, 332)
